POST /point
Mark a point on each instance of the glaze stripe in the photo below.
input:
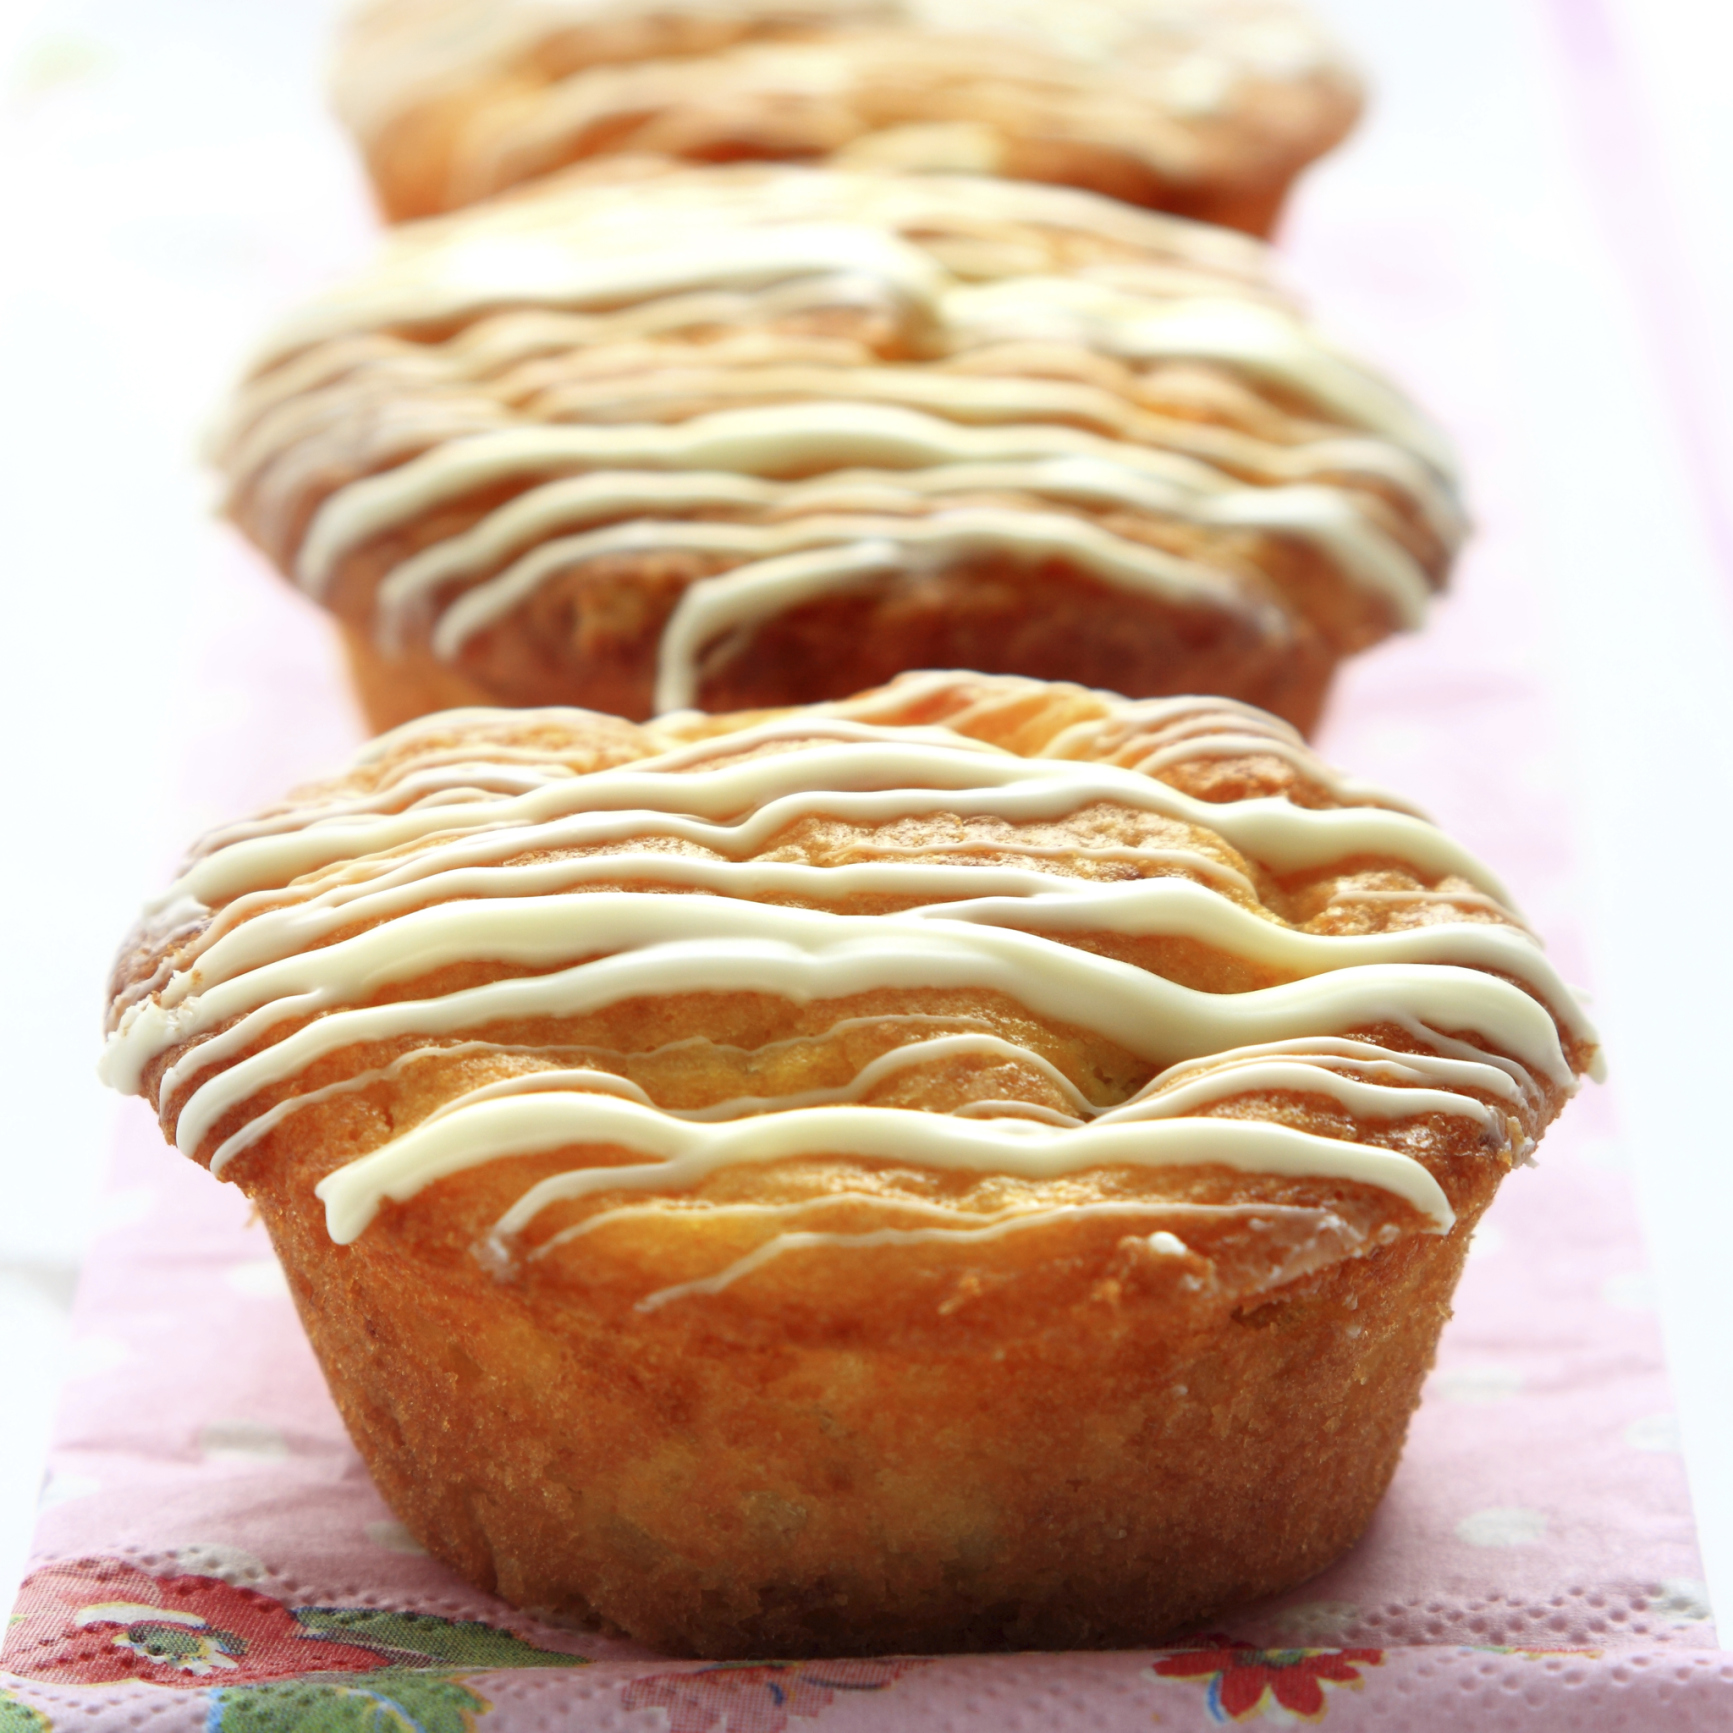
(296, 923)
(869, 780)
(682, 1155)
(1135, 386)
(657, 945)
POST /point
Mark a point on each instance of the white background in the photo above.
(168, 180)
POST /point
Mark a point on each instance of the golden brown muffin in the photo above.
(759, 436)
(982, 1164)
(1208, 108)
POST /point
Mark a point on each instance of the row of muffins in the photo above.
(801, 1155)
(639, 434)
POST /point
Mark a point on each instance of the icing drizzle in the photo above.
(998, 392)
(313, 931)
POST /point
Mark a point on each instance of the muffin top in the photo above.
(762, 386)
(958, 955)
(1184, 91)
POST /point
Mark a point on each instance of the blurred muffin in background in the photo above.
(647, 436)
(1208, 108)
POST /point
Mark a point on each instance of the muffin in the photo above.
(1208, 108)
(979, 1165)
(748, 437)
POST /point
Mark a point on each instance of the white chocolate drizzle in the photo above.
(681, 1155)
(854, 771)
(646, 880)
(559, 351)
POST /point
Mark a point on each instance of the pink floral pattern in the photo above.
(264, 1667)
(101, 1621)
(1241, 1681)
(757, 1697)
